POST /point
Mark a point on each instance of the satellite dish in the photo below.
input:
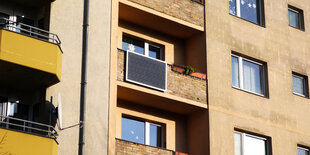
(59, 112)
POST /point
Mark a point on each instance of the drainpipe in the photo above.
(83, 77)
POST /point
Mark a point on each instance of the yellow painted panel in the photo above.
(30, 52)
(18, 143)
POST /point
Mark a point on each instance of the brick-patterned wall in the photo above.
(129, 148)
(186, 86)
(186, 10)
(177, 84)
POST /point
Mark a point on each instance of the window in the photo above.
(251, 10)
(302, 150)
(248, 75)
(2, 21)
(141, 47)
(295, 17)
(300, 84)
(247, 144)
(142, 132)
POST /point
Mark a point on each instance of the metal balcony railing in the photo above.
(29, 30)
(28, 126)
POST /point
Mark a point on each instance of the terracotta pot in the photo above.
(199, 75)
(178, 69)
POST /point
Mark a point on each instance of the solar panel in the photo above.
(146, 71)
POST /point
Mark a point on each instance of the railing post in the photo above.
(49, 131)
(8, 121)
(24, 128)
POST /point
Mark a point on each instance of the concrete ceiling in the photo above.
(21, 77)
(154, 22)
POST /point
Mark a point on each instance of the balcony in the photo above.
(29, 57)
(19, 136)
(126, 147)
(179, 88)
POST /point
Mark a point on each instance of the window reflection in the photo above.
(133, 130)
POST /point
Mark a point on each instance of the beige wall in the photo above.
(283, 116)
(66, 21)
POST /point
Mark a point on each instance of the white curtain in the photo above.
(254, 146)
(251, 77)
(238, 144)
(12, 109)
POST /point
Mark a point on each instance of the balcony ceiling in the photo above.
(31, 3)
(144, 96)
(17, 76)
(155, 22)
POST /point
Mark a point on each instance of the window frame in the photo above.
(260, 12)
(303, 148)
(305, 84)
(243, 134)
(147, 130)
(300, 17)
(263, 76)
(146, 46)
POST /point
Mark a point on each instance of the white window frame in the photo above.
(303, 148)
(240, 74)
(147, 133)
(304, 84)
(146, 47)
(243, 135)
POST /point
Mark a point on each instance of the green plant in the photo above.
(189, 69)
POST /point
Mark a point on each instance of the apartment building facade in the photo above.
(248, 95)
(257, 51)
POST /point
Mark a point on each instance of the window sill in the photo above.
(263, 25)
(300, 95)
(250, 92)
(300, 29)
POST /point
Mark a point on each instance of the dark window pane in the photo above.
(248, 10)
(235, 71)
(2, 21)
(293, 17)
(154, 52)
(133, 130)
(155, 135)
(252, 77)
(232, 7)
(137, 44)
